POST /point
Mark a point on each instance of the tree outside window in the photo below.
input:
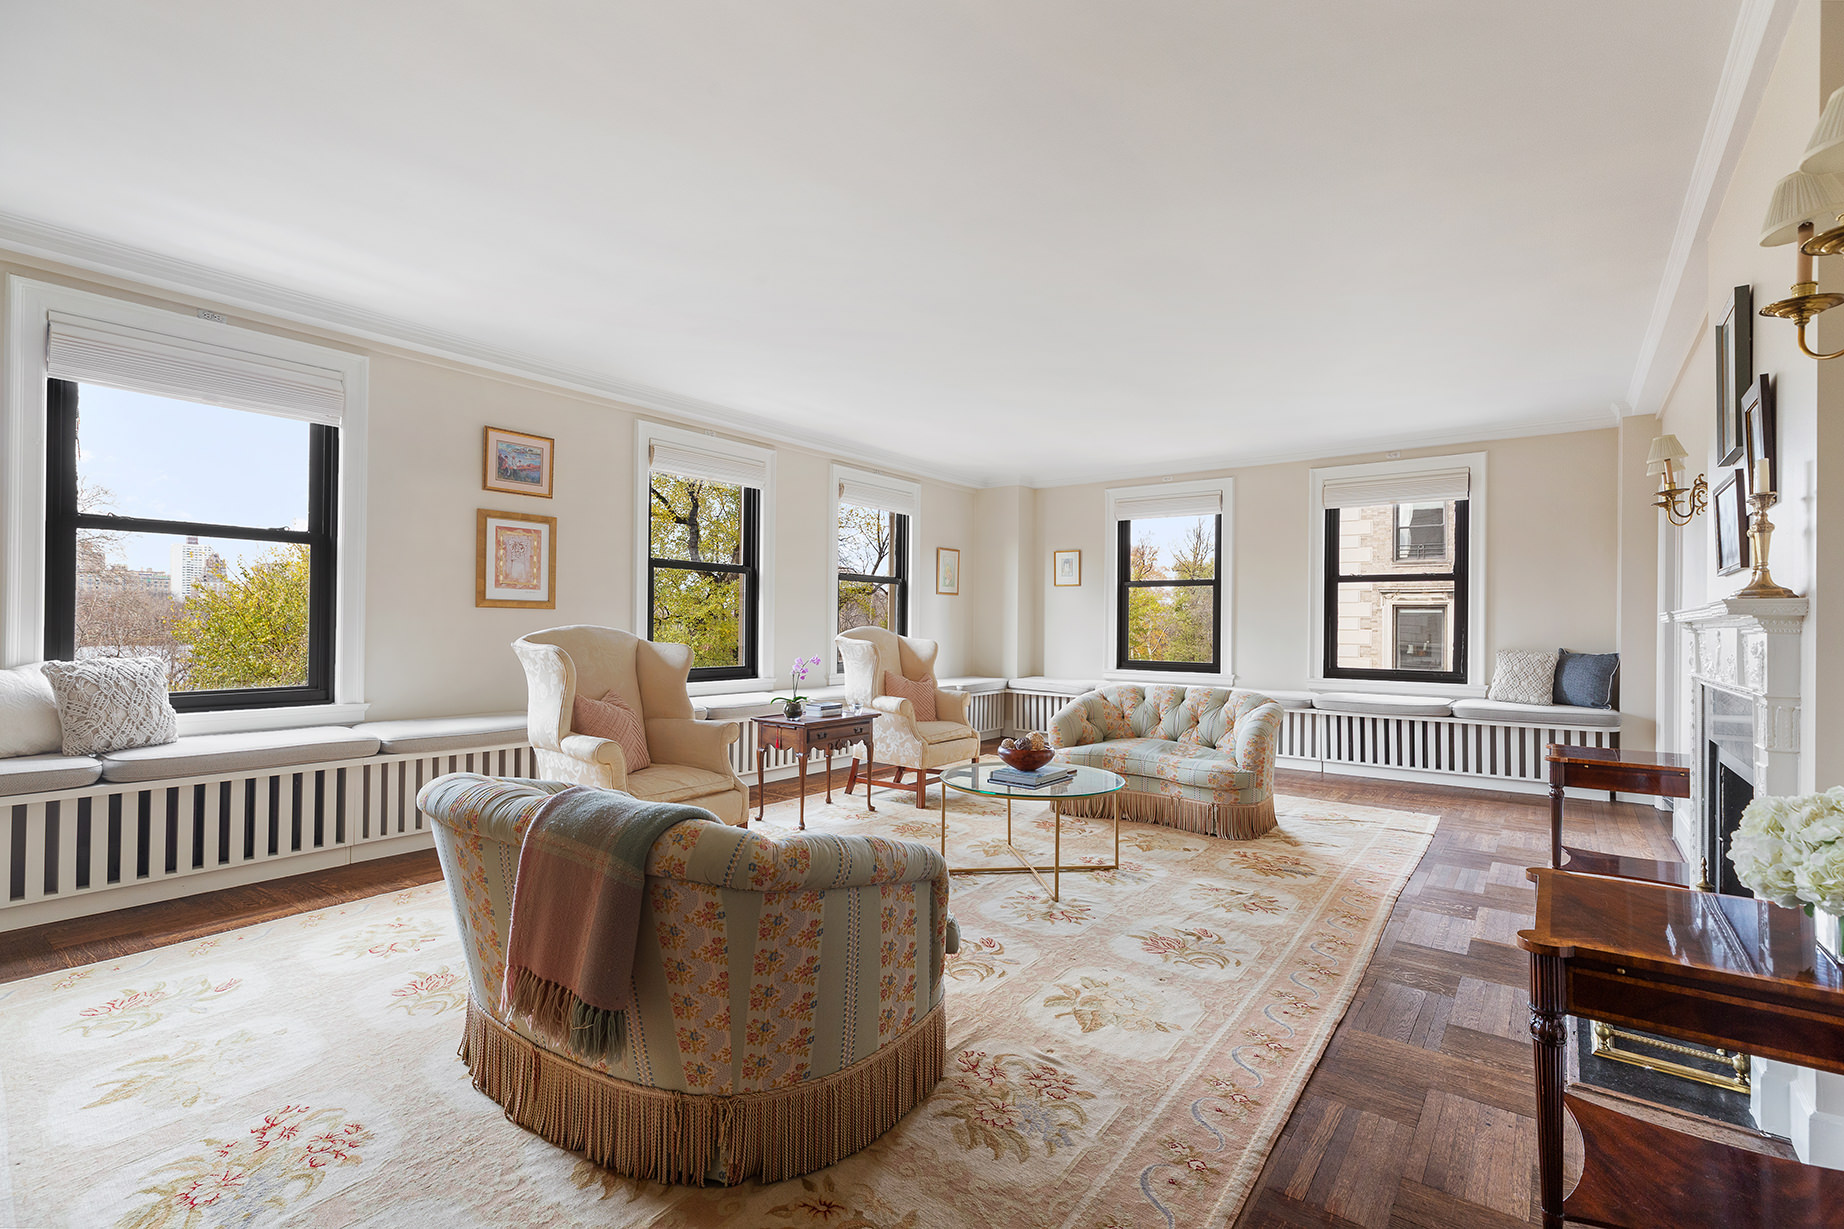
(702, 571)
(1169, 592)
(873, 568)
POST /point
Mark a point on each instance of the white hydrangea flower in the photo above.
(1791, 850)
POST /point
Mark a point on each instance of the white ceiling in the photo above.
(1048, 239)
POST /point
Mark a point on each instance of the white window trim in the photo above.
(1226, 568)
(836, 474)
(645, 434)
(1476, 561)
(22, 487)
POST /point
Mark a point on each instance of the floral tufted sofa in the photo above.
(788, 999)
(1197, 758)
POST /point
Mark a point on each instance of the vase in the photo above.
(791, 710)
(1825, 926)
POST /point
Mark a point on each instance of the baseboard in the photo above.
(1453, 780)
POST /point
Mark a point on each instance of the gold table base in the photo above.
(1056, 867)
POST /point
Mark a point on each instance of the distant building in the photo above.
(195, 567)
(143, 580)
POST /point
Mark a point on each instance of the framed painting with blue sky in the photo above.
(517, 463)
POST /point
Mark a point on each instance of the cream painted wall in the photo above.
(1551, 581)
(429, 650)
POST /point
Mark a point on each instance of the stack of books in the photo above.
(824, 708)
(1049, 775)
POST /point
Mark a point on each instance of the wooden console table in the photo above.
(1726, 971)
(804, 735)
(1665, 774)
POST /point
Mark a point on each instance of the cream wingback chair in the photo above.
(691, 761)
(898, 738)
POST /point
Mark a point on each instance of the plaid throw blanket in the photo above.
(576, 916)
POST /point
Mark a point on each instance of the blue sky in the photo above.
(177, 460)
(1168, 533)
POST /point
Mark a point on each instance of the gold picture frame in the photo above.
(515, 560)
(1066, 568)
(515, 463)
(947, 571)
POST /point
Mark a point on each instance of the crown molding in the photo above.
(76, 249)
(1680, 305)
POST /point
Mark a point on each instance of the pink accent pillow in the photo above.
(611, 719)
(919, 692)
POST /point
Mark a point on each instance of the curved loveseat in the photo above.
(787, 1005)
(1196, 758)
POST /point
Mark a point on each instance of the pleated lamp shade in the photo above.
(1665, 450)
(1825, 151)
(1799, 198)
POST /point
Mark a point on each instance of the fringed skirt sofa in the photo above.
(1196, 758)
(787, 994)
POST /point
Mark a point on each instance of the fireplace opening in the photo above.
(1726, 794)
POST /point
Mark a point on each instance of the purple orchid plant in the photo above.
(802, 667)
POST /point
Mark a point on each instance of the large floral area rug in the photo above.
(1122, 1057)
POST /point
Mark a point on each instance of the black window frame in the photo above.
(321, 537)
(1459, 573)
(749, 569)
(897, 579)
(1403, 534)
(1421, 608)
(1124, 586)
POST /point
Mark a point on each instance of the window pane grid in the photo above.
(1396, 592)
(1169, 582)
(702, 575)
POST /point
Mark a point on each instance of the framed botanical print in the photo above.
(1065, 568)
(947, 570)
(515, 560)
(517, 463)
(1734, 373)
(1761, 432)
(1731, 522)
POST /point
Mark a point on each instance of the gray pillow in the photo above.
(1585, 680)
(112, 703)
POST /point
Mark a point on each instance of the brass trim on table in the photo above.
(1606, 1045)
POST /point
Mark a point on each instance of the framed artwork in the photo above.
(518, 464)
(947, 570)
(515, 560)
(1731, 526)
(1734, 373)
(1065, 568)
(1762, 432)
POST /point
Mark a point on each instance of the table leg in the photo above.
(761, 793)
(803, 789)
(944, 824)
(828, 776)
(1115, 798)
(1056, 853)
(1548, 1041)
(870, 767)
(1555, 815)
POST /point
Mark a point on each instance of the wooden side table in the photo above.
(1665, 774)
(805, 735)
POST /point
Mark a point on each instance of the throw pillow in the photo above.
(112, 703)
(919, 692)
(611, 719)
(1523, 676)
(1585, 680)
(28, 714)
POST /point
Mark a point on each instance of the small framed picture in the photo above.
(1762, 431)
(947, 570)
(1734, 373)
(518, 464)
(515, 560)
(1065, 568)
(1731, 526)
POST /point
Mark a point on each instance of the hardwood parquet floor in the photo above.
(1420, 1113)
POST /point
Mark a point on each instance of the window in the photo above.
(873, 568)
(1167, 573)
(702, 572)
(1397, 562)
(198, 534)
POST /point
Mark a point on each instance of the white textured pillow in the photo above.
(1524, 676)
(28, 713)
(111, 703)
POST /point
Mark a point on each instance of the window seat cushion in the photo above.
(40, 774)
(1382, 705)
(207, 755)
(1295, 700)
(433, 735)
(1537, 714)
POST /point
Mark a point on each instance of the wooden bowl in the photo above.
(1024, 759)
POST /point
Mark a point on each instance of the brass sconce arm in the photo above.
(1681, 504)
(1802, 309)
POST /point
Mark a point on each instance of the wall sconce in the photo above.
(1680, 503)
(1811, 197)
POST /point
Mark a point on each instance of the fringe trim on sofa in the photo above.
(1236, 823)
(661, 1135)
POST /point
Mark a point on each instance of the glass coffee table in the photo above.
(976, 778)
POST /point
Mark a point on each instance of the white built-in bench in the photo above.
(81, 835)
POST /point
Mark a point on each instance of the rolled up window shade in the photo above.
(884, 496)
(140, 360)
(1178, 503)
(1429, 486)
(690, 461)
